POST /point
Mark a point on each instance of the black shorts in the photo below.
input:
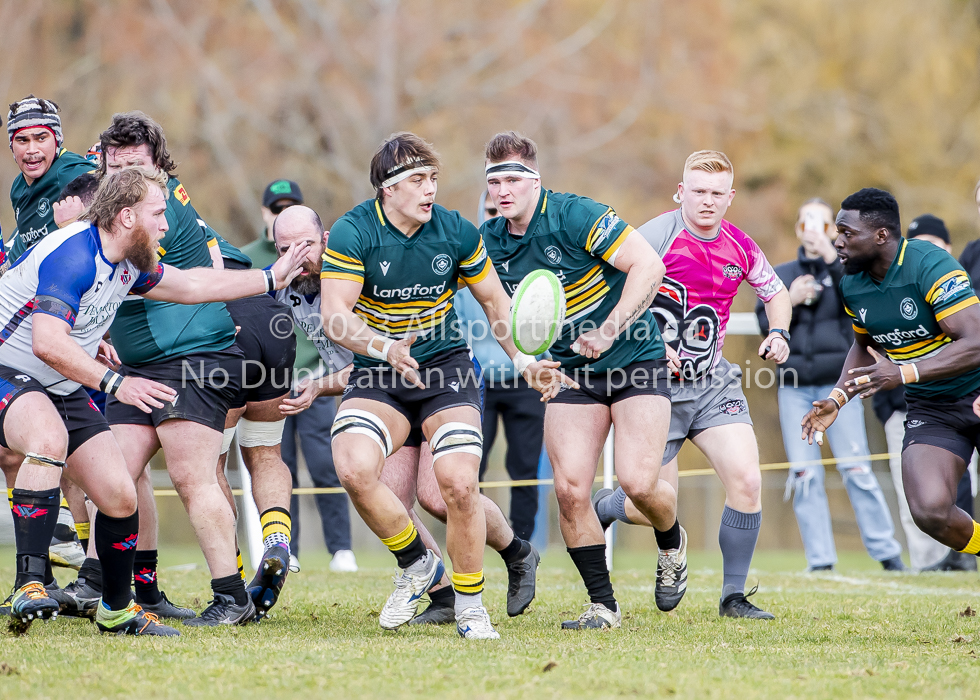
(206, 384)
(450, 379)
(949, 424)
(269, 353)
(82, 418)
(645, 378)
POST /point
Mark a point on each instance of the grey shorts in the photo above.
(705, 403)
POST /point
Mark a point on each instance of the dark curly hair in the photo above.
(134, 129)
(877, 208)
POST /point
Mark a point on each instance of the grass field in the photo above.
(855, 633)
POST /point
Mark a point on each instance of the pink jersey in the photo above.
(695, 299)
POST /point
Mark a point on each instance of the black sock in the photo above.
(591, 564)
(669, 539)
(231, 585)
(411, 553)
(115, 543)
(91, 573)
(35, 517)
(443, 598)
(49, 573)
(145, 577)
(84, 543)
(515, 551)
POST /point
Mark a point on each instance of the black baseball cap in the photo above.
(281, 189)
(928, 225)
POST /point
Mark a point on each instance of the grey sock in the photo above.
(613, 507)
(737, 536)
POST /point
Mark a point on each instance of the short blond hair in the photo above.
(709, 162)
(121, 190)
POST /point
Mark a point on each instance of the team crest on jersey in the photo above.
(733, 272)
(908, 308)
(441, 264)
(124, 276)
(181, 194)
(605, 226)
(733, 408)
(951, 288)
(43, 207)
(914, 423)
(553, 254)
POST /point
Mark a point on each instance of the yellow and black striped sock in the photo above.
(276, 527)
(83, 530)
(469, 590)
(241, 564)
(973, 546)
(406, 546)
(10, 498)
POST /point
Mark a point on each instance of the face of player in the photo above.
(129, 157)
(34, 151)
(705, 198)
(408, 204)
(858, 243)
(308, 280)
(149, 228)
(515, 197)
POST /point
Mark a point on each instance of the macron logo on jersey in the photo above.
(862, 313)
(384, 268)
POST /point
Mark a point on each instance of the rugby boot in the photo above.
(738, 605)
(596, 617)
(132, 620)
(167, 610)
(474, 623)
(521, 582)
(223, 610)
(410, 586)
(269, 579)
(672, 575)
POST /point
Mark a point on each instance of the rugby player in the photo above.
(916, 323)
(707, 258)
(610, 342)
(192, 349)
(59, 299)
(389, 275)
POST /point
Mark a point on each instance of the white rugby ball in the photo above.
(537, 312)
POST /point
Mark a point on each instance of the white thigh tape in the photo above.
(456, 437)
(228, 437)
(256, 433)
(353, 420)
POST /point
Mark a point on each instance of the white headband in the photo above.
(513, 168)
(404, 171)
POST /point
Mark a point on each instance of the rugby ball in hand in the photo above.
(537, 312)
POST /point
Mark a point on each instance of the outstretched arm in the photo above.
(200, 285)
(824, 412)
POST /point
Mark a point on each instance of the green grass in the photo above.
(855, 633)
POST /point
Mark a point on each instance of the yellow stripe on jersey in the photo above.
(920, 353)
(934, 289)
(341, 256)
(343, 262)
(161, 251)
(590, 239)
(857, 328)
(412, 323)
(618, 242)
(588, 279)
(586, 299)
(921, 344)
(407, 307)
(901, 255)
(475, 258)
(377, 208)
(957, 307)
(212, 243)
(478, 277)
(328, 275)
(544, 204)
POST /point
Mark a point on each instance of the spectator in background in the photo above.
(820, 337)
(926, 553)
(311, 428)
(508, 397)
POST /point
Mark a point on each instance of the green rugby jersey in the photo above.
(34, 204)
(923, 286)
(575, 237)
(227, 249)
(408, 282)
(146, 331)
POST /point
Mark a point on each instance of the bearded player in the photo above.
(916, 324)
(389, 275)
(610, 341)
(707, 258)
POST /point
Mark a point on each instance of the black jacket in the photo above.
(970, 260)
(821, 334)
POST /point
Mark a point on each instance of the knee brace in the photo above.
(353, 420)
(256, 433)
(228, 437)
(41, 461)
(456, 437)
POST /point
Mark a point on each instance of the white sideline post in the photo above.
(607, 483)
(253, 525)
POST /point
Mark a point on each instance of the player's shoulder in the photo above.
(178, 194)
(661, 230)
(574, 210)
(919, 251)
(70, 159)
(72, 250)
(452, 222)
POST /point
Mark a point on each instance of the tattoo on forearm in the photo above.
(641, 307)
